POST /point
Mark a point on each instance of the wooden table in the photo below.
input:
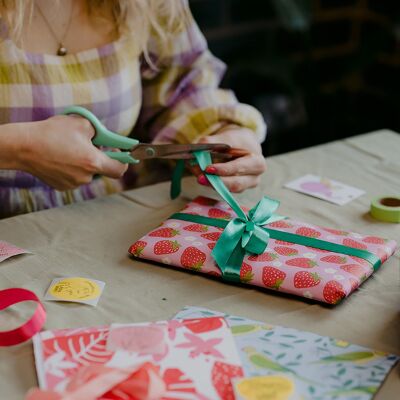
(92, 238)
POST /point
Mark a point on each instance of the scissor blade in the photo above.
(145, 151)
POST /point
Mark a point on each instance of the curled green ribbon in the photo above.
(247, 233)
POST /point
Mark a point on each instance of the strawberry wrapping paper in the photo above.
(288, 267)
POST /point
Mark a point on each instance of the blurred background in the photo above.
(318, 70)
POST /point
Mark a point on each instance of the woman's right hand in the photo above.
(59, 151)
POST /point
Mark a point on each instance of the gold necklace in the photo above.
(62, 50)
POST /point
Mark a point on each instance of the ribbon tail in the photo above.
(177, 179)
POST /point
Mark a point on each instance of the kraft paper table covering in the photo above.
(92, 238)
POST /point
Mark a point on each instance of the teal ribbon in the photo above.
(247, 233)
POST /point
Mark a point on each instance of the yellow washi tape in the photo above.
(386, 209)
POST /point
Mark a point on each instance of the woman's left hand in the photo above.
(241, 173)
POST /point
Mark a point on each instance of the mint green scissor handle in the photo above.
(105, 137)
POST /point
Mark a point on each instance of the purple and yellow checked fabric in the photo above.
(176, 99)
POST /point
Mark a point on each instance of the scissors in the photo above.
(142, 151)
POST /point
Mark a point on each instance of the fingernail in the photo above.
(202, 180)
(211, 170)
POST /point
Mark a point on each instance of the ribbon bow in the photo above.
(243, 234)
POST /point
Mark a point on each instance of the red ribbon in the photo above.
(9, 297)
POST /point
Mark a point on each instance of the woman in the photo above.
(142, 66)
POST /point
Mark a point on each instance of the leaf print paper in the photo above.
(197, 357)
(321, 368)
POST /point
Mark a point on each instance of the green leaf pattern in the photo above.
(322, 368)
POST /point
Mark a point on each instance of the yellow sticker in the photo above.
(75, 289)
(265, 388)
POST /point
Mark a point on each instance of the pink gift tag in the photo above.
(284, 266)
(8, 250)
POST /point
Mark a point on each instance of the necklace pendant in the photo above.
(62, 51)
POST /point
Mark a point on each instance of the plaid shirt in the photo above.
(176, 99)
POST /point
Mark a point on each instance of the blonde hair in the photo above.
(139, 17)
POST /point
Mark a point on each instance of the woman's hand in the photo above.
(59, 151)
(241, 173)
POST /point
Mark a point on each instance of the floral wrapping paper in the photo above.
(284, 266)
(302, 365)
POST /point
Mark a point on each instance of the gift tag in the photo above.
(75, 289)
(325, 189)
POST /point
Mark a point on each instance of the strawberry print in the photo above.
(305, 279)
(137, 248)
(353, 243)
(196, 228)
(211, 245)
(217, 213)
(214, 236)
(305, 231)
(201, 325)
(354, 284)
(246, 273)
(333, 292)
(374, 240)
(336, 232)
(164, 232)
(334, 259)
(283, 243)
(301, 262)
(205, 201)
(360, 260)
(286, 251)
(263, 257)
(166, 247)
(320, 250)
(273, 277)
(280, 224)
(354, 269)
(193, 258)
(221, 376)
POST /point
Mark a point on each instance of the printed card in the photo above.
(324, 188)
(300, 364)
(197, 357)
(75, 289)
(8, 250)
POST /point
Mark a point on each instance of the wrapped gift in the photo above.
(286, 264)
(260, 247)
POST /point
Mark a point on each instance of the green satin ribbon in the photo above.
(246, 234)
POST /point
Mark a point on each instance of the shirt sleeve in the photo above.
(181, 100)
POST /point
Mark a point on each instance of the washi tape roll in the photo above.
(9, 297)
(386, 209)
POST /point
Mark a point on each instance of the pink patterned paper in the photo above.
(291, 268)
(8, 250)
(197, 357)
